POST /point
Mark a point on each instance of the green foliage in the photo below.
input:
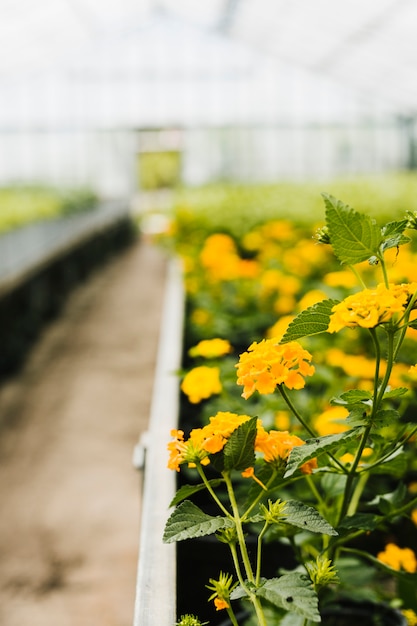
(188, 521)
(329, 465)
(316, 447)
(292, 592)
(312, 321)
(239, 451)
(26, 204)
(354, 237)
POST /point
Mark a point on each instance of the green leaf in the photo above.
(314, 447)
(311, 321)
(395, 464)
(355, 237)
(188, 521)
(392, 234)
(353, 396)
(360, 521)
(386, 417)
(239, 451)
(305, 517)
(292, 592)
(188, 490)
(395, 393)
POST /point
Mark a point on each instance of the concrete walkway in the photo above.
(70, 498)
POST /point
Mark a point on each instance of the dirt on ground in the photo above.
(70, 497)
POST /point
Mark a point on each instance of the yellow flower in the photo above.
(203, 441)
(190, 451)
(276, 446)
(267, 364)
(279, 328)
(331, 421)
(414, 516)
(222, 589)
(398, 558)
(200, 317)
(368, 308)
(219, 257)
(412, 372)
(410, 616)
(340, 279)
(211, 348)
(311, 297)
(221, 604)
(282, 420)
(201, 383)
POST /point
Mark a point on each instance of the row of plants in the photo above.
(24, 204)
(295, 448)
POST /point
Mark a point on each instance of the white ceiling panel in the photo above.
(304, 56)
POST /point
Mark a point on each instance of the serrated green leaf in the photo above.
(395, 393)
(188, 490)
(391, 229)
(354, 237)
(353, 396)
(385, 417)
(239, 451)
(188, 521)
(315, 447)
(394, 242)
(395, 464)
(360, 521)
(393, 236)
(292, 592)
(311, 321)
(306, 517)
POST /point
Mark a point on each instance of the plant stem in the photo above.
(212, 492)
(259, 553)
(243, 551)
(304, 424)
(295, 411)
(259, 496)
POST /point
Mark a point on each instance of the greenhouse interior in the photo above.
(208, 306)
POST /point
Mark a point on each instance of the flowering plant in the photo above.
(341, 499)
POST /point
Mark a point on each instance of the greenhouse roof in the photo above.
(124, 63)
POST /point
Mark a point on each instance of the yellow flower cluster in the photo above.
(220, 258)
(369, 307)
(268, 364)
(211, 348)
(203, 441)
(398, 558)
(201, 382)
(274, 445)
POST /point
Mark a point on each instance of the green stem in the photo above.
(384, 269)
(211, 491)
(259, 553)
(295, 411)
(378, 395)
(236, 563)
(239, 529)
(243, 551)
(304, 424)
(405, 320)
(259, 496)
(232, 616)
(356, 496)
(397, 445)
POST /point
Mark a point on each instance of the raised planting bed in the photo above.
(41, 262)
(264, 463)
